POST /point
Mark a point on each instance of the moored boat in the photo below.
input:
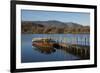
(43, 42)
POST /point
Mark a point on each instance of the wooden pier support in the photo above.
(78, 50)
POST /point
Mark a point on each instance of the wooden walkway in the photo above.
(78, 50)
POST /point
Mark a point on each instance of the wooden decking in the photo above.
(78, 50)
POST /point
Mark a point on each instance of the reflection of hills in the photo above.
(53, 27)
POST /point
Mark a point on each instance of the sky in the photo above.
(39, 15)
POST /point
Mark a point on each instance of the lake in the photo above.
(31, 53)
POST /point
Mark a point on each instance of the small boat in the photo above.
(43, 42)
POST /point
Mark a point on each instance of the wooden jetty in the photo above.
(78, 50)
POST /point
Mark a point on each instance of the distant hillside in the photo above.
(46, 27)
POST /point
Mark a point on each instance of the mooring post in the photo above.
(85, 41)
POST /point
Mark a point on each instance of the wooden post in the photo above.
(85, 41)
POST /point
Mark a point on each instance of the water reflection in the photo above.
(44, 50)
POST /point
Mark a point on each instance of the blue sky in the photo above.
(36, 15)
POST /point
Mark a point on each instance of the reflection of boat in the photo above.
(45, 50)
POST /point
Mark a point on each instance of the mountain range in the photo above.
(53, 26)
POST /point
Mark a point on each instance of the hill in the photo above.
(52, 26)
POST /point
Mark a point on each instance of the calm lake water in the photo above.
(30, 53)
